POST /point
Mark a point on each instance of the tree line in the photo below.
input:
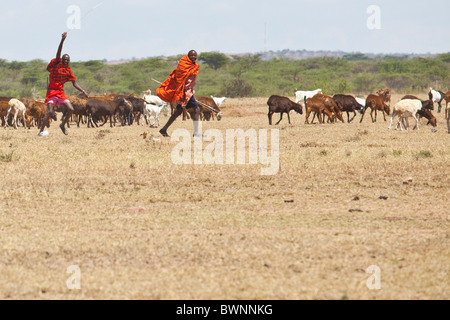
(241, 75)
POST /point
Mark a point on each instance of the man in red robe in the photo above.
(60, 73)
(179, 87)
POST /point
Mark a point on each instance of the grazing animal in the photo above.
(97, 108)
(318, 107)
(348, 104)
(375, 103)
(219, 101)
(279, 104)
(79, 108)
(362, 102)
(426, 113)
(331, 105)
(447, 101)
(18, 108)
(404, 109)
(426, 104)
(301, 95)
(436, 96)
(154, 110)
(209, 108)
(386, 95)
(37, 110)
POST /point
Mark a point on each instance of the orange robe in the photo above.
(182, 79)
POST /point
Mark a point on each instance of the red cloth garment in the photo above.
(59, 75)
(180, 85)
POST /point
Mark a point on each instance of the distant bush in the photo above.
(241, 76)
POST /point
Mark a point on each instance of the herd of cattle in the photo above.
(125, 109)
(132, 109)
(320, 105)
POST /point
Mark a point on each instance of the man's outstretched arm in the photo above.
(77, 86)
(58, 54)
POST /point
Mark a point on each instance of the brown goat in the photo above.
(386, 95)
(206, 113)
(376, 103)
(426, 113)
(316, 105)
(279, 104)
(330, 105)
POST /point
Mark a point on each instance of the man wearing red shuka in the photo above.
(60, 73)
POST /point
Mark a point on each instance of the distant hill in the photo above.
(306, 54)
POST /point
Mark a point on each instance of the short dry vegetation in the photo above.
(347, 197)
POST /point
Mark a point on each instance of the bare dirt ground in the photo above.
(138, 226)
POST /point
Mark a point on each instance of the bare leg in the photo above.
(50, 112)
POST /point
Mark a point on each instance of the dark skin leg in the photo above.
(50, 112)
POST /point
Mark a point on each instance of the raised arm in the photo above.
(58, 54)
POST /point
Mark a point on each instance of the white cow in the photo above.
(301, 95)
(219, 101)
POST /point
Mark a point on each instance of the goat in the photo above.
(331, 105)
(386, 95)
(155, 111)
(426, 104)
(219, 101)
(278, 104)
(436, 96)
(17, 107)
(447, 101)
(375, 103)
(347, 104)
(404, 109)
(209, 108)
(426, 113)
(318, 106)
(301, 95)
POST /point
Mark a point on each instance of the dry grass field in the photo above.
(140, 227)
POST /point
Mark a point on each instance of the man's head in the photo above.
(66, 59)
(193, 56)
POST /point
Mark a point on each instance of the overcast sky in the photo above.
(31, 29)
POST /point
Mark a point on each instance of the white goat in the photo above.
(219, 101)
(436, 96)
(154, 110)
(405, 109)
(301, 95)
(17, 107)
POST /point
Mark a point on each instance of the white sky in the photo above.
(31, 29)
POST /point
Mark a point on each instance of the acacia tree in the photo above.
(214, 60)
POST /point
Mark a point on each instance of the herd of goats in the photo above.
(320, 105)
(129, 109)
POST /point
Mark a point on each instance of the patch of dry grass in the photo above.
(140, 227)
